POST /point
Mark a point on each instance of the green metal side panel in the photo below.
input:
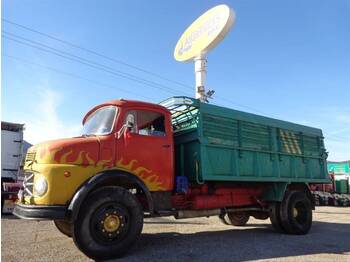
(187, 155)
(342, 186)
(276, 192)
(230, 145)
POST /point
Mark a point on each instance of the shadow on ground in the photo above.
(8, 216)
(247, 244)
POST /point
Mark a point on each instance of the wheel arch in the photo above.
(305, 188)
(277, 191)
(109, 177)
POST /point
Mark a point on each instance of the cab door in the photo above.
(146, 148)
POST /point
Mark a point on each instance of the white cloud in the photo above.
(43, 121)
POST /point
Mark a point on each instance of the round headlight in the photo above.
(40, 185)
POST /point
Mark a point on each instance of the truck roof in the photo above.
(9, 126)
(126, 103)
(123, 102)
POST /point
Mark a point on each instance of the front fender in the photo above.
(109, 177)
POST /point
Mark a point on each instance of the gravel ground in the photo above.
(201, 239)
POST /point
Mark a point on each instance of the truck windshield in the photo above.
(100, 122)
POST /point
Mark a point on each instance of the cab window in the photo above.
(147, 123)
(100, 122)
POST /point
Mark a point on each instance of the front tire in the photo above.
(64, 226)
(296, 213)
(108, 224)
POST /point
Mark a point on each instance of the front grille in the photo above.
(30, 156)
(28, 183)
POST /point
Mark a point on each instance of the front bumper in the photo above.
(40, 212)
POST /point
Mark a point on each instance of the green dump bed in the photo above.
(214, 143)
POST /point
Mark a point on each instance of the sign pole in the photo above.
(200, 74)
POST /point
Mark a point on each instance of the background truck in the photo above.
(13, 148)
(182, 158)
(338, 192)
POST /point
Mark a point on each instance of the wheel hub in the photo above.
(111, 223)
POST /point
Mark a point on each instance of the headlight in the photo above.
(40, 185)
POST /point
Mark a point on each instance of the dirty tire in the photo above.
(108, 224)
(275, 217)
(296, 213)
(64, 226)
(238, 218)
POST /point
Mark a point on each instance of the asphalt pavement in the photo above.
(199, 239)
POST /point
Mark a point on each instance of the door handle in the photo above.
(166, 146)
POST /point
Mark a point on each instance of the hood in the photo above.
(76, 151)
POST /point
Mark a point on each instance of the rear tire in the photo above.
(108, 224)
(275, 217)
(238, 218)
(296, 213)
(64, 226)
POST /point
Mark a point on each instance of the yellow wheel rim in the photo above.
(111, 223)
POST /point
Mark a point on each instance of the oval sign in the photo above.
(204, 33)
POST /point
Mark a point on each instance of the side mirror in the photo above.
(130, 125)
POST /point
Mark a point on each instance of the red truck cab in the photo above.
(147, 142)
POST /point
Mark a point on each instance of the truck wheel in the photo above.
(64, 226)
(108, 224)
(238, 218)
(296, 213)
(275, 217)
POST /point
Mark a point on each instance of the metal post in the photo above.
(200, 73)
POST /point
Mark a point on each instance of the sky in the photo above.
(283, 59)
